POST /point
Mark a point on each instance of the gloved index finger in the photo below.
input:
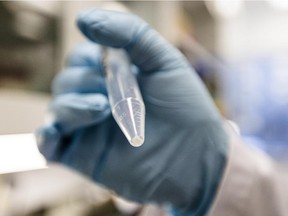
(83, 73)
(87, 54)
(146, 48)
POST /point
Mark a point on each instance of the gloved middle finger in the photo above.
(73, 111)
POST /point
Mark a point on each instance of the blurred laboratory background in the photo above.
(239, 48)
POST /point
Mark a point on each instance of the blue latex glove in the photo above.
(184, 154)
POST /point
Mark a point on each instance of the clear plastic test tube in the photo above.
(124, 95)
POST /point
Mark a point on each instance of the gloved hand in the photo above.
(184, 154)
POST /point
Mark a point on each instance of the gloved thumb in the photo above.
(147, 49)
(74, 111)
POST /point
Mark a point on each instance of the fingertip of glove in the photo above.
(47, 133)
(73, 111)
(108, 28)
(89, 22)
(47, 138)
(83, 15)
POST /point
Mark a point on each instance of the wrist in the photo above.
(246, 171)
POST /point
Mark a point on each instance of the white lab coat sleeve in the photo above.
(253, 185)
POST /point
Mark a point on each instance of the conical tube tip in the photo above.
(137, 141)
